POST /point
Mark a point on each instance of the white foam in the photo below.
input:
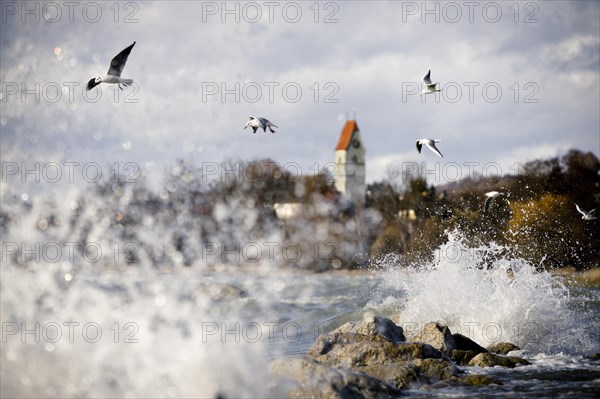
(490, 296)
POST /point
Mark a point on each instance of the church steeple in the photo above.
(350, 176)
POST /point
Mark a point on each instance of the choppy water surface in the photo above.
(85, 329)
(185, 333)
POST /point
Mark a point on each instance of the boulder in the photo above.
(502, 348)
(307, 378)
(436, 335)
(398, 375)
(475, 380)
(372, 359)
(404, 374)
(377, 348)
(436, 369)
(489, 359)
(462, 357)
(351, 350)
(464, 343)
(472, 380)
(375, 326)
(466, 349)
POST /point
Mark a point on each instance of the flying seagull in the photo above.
(490, 197)
(260, 122)
(114, 72)
(429, 87)
(429, 143)
(586, 215)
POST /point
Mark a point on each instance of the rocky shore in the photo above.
(374, 359)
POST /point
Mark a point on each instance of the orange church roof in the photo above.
(349, 128)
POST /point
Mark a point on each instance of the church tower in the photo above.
(350, 173)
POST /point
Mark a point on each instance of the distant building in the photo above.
(407, 214)
(350, 175)
(288, 210)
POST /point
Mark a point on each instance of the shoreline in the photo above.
(588, 278)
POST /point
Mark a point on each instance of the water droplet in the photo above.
(68, 277)
(336, 263)
(126, 145)
(171, 187)
(177, 257)
(160, 300)
(43, 224)
(278, 285)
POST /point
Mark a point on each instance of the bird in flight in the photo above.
(260, 122)
(490, 197)
(586, 215)
(429, 143)
(114, 71)
(429, 87)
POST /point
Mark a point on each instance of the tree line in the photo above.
(191, 214)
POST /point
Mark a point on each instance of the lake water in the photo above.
(73, 326)
(139, 332)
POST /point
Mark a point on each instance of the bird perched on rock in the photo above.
(114, 71)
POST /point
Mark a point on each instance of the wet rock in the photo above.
(397, 375)
(404, 374)
(436, 335)
(372, 358)
(368, 348)
(466, 349)
(381, 326)
(344, 349)
(311, 379)
(436, 369)
(464, 343)
(472, 380)
(462, 357)
(475, 380)
(489, 359)
(502, 348)
(377, 348)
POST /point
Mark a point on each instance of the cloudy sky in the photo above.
(519, 81)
